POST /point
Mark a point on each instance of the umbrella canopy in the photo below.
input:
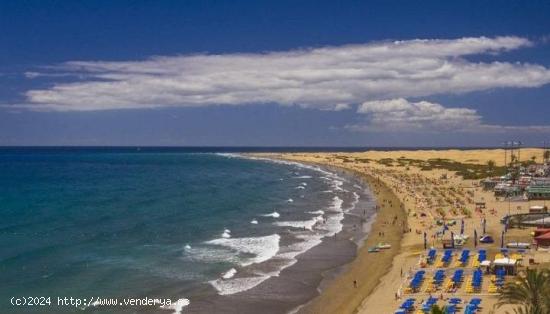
(505, 262)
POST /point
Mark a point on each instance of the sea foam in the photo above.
(177, 306)
(229, 274)
(273, 214)
(262, 248)
(226, 234)
(301, 224)
(235, 285)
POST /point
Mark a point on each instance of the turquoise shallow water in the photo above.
(128, 223)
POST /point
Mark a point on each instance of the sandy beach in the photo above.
(417, 196)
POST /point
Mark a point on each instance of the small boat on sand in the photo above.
(383, 245)
(373, 249)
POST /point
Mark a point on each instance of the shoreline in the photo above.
(314, 269)
(433, 187)
(339, 294)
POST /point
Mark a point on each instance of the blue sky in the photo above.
(280, 73)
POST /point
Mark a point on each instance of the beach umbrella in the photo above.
(484, 225)
(462, 226)
(425, 241)
(475, 238)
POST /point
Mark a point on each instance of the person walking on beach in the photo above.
(355, 283)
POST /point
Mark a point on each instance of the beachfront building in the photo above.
(539, 189)
(507, 189)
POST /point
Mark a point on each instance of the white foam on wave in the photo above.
(337, 185)
(316, 212)
(333, 221)
(273, 214)
(226, 234)
(300, 187)
(177, 306)
(356, 198)
(295, 249)
(187, 247)
(301, 224)
(290, 200)
(331, 224)
(229, 155)
(254, 221)
(262, 248)
(235, 285)
(303, 177)
(336, 204)
(229, 274)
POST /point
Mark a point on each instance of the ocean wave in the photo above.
(229, 274)
(235, 285)
(254, 221)
(337, 185)
(332, 224)
(308, 242)
(273, 214)
(336, 204)
(226, 234)
(301, 224)
(229, 155)
(289, 200)
(356, 198)
(262, 248)
(327, 222)
(316, 212)
(300, 187)
(177, 306)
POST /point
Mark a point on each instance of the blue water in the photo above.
(84, 222)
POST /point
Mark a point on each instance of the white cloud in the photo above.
(329, 78)
(399, 115)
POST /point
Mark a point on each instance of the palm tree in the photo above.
(530, 291)
(491, 165)
(437, 310)
(513, 159)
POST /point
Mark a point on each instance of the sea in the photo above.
(173, 231)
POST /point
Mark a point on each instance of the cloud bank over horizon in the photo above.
(376, 76)
(423, 116)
